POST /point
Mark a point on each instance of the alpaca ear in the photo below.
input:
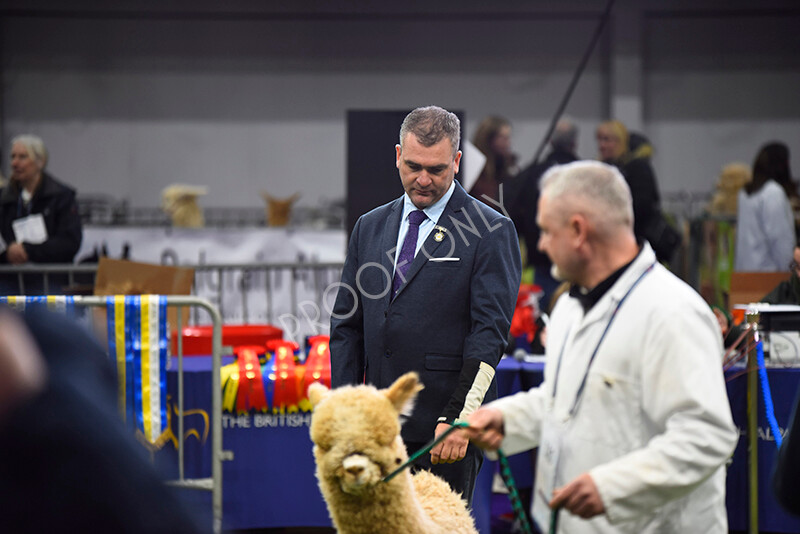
(403, 392)
(317, 392)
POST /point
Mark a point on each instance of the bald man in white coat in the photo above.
(632, 420)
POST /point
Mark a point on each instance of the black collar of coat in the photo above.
(48, 186)
(588, 299)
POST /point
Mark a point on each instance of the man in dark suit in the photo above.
(429, 285)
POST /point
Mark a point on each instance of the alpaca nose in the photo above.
(355, 470)
(355, 465)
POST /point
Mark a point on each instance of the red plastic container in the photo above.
(197, 339)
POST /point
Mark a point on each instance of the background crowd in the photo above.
(761, 198)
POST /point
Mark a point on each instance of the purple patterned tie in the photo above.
(406, 256)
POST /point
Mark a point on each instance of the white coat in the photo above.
(764, 230)
(654, 426)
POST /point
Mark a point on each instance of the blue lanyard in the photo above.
(579, 394)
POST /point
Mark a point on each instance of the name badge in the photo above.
(30, 229)
(547, 472)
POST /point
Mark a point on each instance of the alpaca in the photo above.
(180, 203)
(279, 211)
(356, 435)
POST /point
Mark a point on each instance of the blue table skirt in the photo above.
(771, 517)
(271, 481)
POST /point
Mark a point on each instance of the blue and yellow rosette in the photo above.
(137, 342)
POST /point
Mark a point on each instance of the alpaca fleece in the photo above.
(356, 435)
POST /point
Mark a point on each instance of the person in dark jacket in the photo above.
(563, 143)
(613, 145)
(631, 153)
(32, 192)
(493, 139)
(69, 464)
(788, 291)
(39, 220)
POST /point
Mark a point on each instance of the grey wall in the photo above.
(718, 88)
(129, 101)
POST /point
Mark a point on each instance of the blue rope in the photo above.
(767, 394)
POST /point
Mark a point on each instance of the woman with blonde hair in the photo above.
(614, 147)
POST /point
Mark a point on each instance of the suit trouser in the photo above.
(460, 475)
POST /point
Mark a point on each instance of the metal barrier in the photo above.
(241, 292)
(254, 279)
(257, 292)
(213, 484)
(28, 271)
(102, 210)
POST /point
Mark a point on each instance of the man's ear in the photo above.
(574, 225)
(399, 150)
(578, 227)
(457, 162)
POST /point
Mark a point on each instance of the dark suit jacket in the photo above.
(448, 316)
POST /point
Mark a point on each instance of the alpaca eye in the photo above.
(397, 461)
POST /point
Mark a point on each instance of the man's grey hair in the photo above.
(35, 147)
(430, 125)
(565, 135)
(592, 188)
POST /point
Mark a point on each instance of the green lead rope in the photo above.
(513, 494)
(426, 449)
(505, 473)
(554, 520)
